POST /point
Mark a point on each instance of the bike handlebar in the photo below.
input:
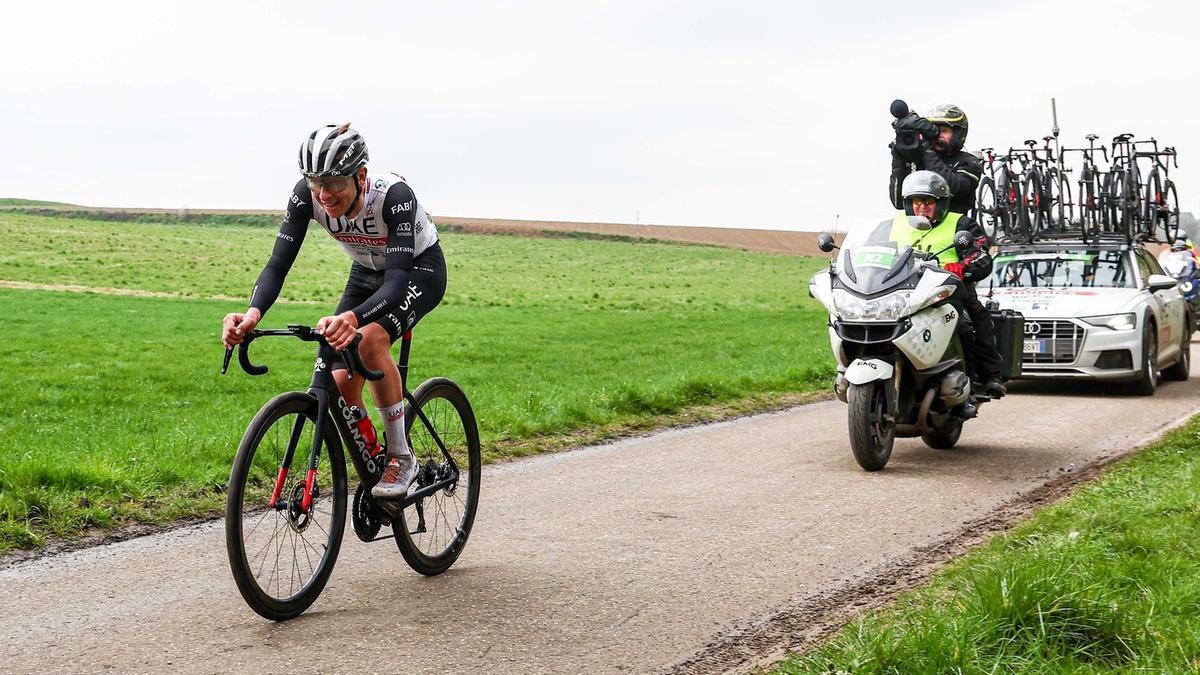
(308, 334)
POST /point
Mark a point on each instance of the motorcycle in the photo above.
(1182, 266)
(898, 341)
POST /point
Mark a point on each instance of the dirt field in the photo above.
(771, 241)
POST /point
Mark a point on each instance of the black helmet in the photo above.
(950, 115)
(333, 150)
(928, 184)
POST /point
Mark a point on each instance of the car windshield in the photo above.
(1062, 269)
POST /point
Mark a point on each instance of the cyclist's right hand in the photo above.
(236, 326)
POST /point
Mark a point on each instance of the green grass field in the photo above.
(1107, 581)
(113, 410)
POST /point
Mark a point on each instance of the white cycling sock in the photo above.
(393, 427)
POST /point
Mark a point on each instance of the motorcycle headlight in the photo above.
(891, 307)
(1187, 287)
(1113, 321)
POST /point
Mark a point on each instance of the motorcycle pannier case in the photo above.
(1010, 341)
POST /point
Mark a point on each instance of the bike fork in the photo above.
(286, 462)
(314, 457)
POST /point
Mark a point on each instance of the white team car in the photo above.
(1094, 311)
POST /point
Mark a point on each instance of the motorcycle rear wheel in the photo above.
(946, 438)
(871, 434)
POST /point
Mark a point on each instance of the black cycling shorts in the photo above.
(426, 286)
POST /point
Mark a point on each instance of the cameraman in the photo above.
(938, 148)
(925, 193)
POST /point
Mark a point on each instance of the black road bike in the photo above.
(1093, 211)
(1160, 203)
(286, 509)
(1000, 200)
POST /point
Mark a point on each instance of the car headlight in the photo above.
(891, 307)
(1113, 321)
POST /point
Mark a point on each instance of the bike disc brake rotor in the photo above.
(298, 518)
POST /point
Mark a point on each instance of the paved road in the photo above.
(625, 557)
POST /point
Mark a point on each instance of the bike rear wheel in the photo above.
(433, 531)
(1060, 187)
(1036, 203)
(1170, 213)
(281, 555)
(988, 211)
(1152, 201)
(1016, 218)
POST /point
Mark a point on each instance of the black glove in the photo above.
(926, 128)
(906, 123)
(907, 155)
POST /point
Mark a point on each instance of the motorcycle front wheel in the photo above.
(871, 433)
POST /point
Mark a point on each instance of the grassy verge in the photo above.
(1106, 580)
(113, 410)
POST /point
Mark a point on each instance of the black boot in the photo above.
(994, 387)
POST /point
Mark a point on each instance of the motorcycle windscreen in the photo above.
(871, 262)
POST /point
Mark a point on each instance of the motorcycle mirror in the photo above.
(825, 242)
(919, 222)
(962, 238)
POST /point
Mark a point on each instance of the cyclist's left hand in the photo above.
(339, 330)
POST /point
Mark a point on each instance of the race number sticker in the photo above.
(874, 256)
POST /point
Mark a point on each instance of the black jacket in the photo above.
(961, 170)
(977, 262)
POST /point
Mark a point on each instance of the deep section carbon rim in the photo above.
(434, 530)
(281, 552)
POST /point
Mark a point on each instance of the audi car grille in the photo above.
(1064, 338)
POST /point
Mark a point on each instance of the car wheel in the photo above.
(1146, 382)
(1180, 371)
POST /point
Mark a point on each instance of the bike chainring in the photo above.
(366, 516)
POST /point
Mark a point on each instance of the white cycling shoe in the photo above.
(397, 475)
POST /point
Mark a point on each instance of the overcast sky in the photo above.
(744, 114)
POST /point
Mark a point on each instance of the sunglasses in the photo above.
(924, 201)
(330, 183)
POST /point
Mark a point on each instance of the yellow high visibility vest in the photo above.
(936, 239)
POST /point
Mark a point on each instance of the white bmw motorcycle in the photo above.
(895, 334)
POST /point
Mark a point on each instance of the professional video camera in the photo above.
(910, 127)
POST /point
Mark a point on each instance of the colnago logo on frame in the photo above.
(359, 443)
(320, 365)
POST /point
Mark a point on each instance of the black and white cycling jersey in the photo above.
(389, 231)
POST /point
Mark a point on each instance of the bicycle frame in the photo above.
(323, 389)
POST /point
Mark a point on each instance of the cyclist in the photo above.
(942, 131)
(925, 193)
(397, 276)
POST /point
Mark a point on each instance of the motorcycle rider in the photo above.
(941, 133)
(925, 193)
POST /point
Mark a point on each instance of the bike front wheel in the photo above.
(281, 551)
(445, 439)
